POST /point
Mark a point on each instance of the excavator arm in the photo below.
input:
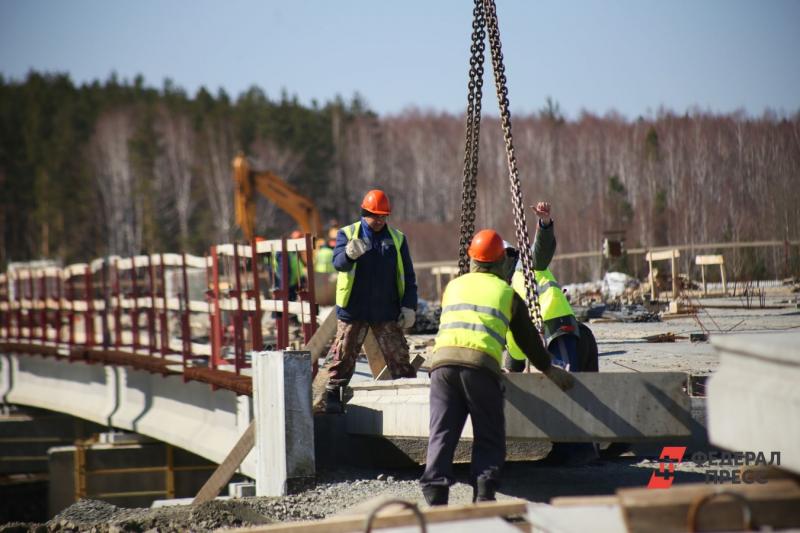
(299, 206)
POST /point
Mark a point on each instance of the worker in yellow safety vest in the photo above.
(572, 344)
(323, 260)
(560, 326)
(376, 290)
(478, 309)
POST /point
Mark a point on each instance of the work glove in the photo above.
(407, 317)
(563, 379)
(355, 249)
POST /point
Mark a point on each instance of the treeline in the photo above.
(122, 168)
(118, 167)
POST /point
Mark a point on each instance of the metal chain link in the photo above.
(474, 97)
(523, 243)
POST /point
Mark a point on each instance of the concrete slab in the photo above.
(754, 398)
(623, 406)
(478, 525)
(578, 519)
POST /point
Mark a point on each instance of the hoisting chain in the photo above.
(486, 16)
(474, 97)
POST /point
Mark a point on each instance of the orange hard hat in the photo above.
(486, 246)
(260, 239)
(376, 201)
(296, 234)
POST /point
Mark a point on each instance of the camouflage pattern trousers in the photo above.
(347, 345)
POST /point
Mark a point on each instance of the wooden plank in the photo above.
(665, 254)
(776, 503)
(374, 354)
(323, 336)
(416, 362)
(225, 470)
(709, 260)
(433, 515)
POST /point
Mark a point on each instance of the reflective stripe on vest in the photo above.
(476, 311)
(553, 302)
(346, 280)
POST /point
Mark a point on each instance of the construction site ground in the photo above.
(622, 348)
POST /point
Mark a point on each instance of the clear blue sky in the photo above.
(629, 55)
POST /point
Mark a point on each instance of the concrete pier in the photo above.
(284, 423)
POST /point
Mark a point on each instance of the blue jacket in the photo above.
(374, 297)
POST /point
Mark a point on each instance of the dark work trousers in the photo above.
(455, 392)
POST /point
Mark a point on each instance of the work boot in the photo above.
(485, 490)
(436, 494)
(333, 401)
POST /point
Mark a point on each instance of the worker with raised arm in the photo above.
(478, 309)
(572, 350)
(376, 289)
(561, 331)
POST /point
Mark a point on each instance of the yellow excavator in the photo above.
(299, 206)
(248, 181)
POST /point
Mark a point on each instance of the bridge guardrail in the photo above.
(173, 313)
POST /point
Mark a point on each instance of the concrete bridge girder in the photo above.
(612, 406)
(188, 415)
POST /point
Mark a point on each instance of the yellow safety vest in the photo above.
(323, 262)
(294, 267)
(476, 312)
(346, 280)
(551, 300)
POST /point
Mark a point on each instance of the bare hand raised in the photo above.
(542, 210)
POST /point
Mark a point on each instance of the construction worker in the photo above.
(477, 311)
(572, 350)
(295, 269)
(323, 260)
(560, 326)
(376, 289)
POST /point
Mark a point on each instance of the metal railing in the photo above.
(169, 313)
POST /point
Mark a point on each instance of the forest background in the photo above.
(117, 167)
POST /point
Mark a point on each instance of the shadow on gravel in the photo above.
(540, 483)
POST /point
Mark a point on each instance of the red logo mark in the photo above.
(670, 456)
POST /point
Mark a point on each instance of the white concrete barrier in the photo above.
(754, 396)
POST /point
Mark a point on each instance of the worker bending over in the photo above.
(478, 309)
(573, 346)
(561, 330)
(375, 289)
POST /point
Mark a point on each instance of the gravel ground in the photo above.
(354, 490)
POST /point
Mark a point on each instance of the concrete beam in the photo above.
(188, 415)
(284, 422)
(624, 406)
(754, 398)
